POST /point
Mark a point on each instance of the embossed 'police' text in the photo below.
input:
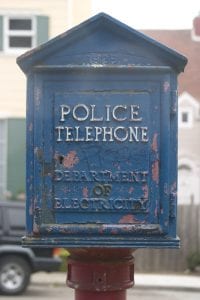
(131, 114)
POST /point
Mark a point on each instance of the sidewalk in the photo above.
(180, 282)
(169, 281)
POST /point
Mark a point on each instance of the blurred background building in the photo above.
(24, 25)
(27, 24)
(187, 42)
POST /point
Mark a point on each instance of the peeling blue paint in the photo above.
(102, 139)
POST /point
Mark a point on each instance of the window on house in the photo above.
(185, 118)
(184, 167)
(21, 33)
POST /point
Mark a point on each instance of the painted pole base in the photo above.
(100, 274)
(112, 295)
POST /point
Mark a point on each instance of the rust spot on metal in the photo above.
(101, 230)
(146, 191)
(129, 219)
(70, 160)
(35, 202)
(39, 153)
(156, 212)
(85, 192)
(114, 231)
(173, 187)
(166, 86)
(131, 190)
(155, 171)
(56, 156)
(154, 145)
(30, 210)
(36, 229)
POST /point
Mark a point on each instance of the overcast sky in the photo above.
(151, 14)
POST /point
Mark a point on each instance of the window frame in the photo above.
(25, 33)
(189, 123)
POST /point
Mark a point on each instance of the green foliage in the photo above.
(193, 260)
(63, 255)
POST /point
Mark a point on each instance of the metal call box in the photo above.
(102, 139)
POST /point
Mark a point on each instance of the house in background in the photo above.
(187, 42)
(24, 25)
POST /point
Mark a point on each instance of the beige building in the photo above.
(25, 24)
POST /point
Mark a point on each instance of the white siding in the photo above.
(12, 80)
(188, 153)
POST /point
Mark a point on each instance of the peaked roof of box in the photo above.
(106, 22)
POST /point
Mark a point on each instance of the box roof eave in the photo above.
(34, 57)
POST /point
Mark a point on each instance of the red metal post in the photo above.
(97, 295)
(100, 274)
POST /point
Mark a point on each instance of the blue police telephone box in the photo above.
(102, 139)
